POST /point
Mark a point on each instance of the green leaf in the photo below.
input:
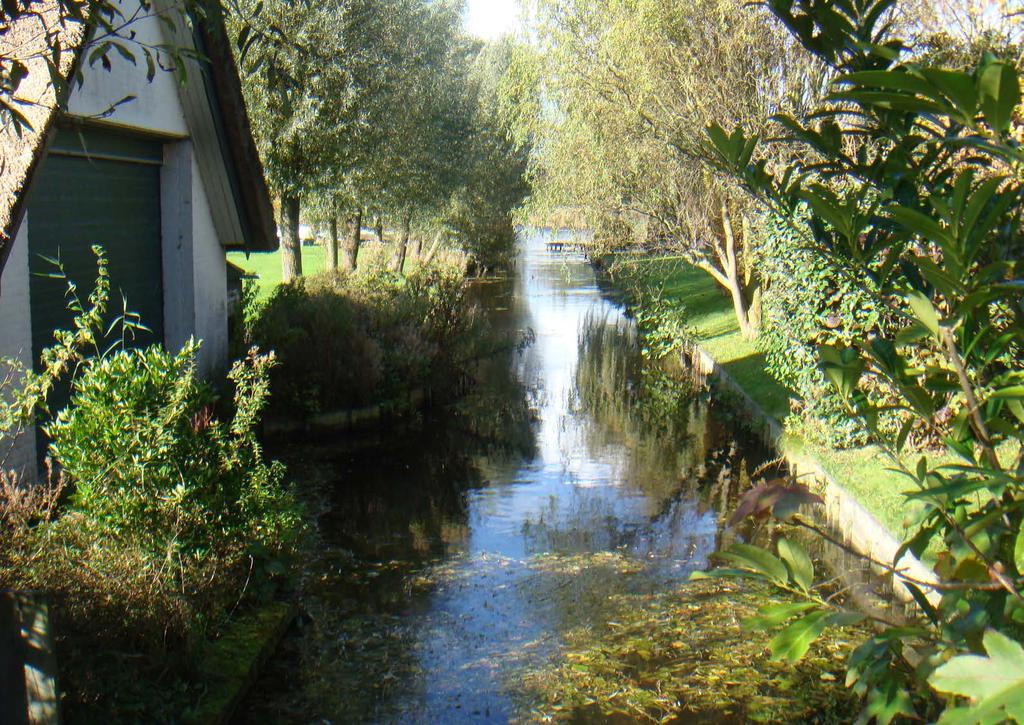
(843, 366)
(885, 703)
(1018, 552)
(924, 311)
(898, 80)
(957, 87)
(922, 601)
(921, 224)
(758, 560)
(994, 683)
(1017, 408)
(845, 619)
(775, 614)
(799, 564)
(792, 643)
(724, 573)
(999, 89)
(1012, 392)
(828, 207)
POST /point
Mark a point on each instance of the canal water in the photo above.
(454, 555)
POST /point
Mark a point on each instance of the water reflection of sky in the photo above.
(516, 548)
(499, 610)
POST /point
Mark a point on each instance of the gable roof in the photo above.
(212, 99)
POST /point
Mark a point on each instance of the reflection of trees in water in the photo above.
(405, 496)
(497, 419)
(624, 403)
(388, 513)
(407, 503)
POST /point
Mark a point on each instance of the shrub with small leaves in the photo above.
(345, 341)
(806, 303)
(158, 519)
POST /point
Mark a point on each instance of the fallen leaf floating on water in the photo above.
(780, 498)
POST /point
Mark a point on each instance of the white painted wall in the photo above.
(177, 233)
(16, 345)
(195, 269)
(210, 272)
(156, 106)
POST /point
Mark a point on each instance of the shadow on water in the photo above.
(456, 555)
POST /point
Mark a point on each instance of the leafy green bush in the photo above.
(662, 324)
(159, 518)
(151, 465)
(806, 303)
(914, 175)
(349, 341)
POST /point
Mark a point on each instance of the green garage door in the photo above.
(97, 188)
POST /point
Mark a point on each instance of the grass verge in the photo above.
(266, 266)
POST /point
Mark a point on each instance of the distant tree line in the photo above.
(381, 112)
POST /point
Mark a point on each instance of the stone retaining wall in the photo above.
(847, 516)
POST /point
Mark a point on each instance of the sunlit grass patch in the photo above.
(266, 266)
(683, 656)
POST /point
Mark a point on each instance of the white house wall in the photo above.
(156, 107)
(195, 269)
(194, 265)
(211, 282)
(16, 344)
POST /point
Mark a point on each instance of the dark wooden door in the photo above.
(97, 188)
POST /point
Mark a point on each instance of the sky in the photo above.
(491, 18)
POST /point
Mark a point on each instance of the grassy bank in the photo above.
(266, 266)
(861, 471)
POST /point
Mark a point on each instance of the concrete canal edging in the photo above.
(345, 419)
(855, 524)
(230, 665)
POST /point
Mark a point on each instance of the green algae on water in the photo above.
(683, 657)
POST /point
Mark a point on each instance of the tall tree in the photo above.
(629, 86)
(301, 103)
(481, 213)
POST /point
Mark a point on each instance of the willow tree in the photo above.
(395, 48)
(419, 165)
(630, 85)
(495, 185)
(300, 100)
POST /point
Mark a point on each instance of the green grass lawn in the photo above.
(709, 310)
(267, 265)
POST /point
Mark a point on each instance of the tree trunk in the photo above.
(291, 246)
(433, 250)
(398, 259)
(378, 229)
(332, 244)
(732, 274)
(353, 238)
(751, 283)
(417, 247)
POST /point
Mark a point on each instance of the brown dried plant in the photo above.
(23, 504)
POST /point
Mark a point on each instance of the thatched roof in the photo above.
(30, 39)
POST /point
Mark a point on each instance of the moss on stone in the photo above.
(230, 663)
